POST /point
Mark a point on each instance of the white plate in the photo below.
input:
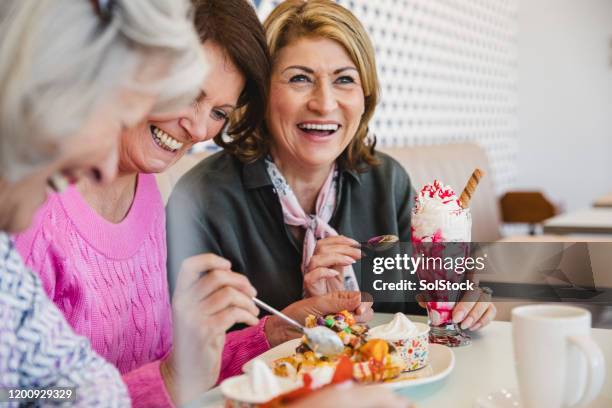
(441, 363)
(499, 399)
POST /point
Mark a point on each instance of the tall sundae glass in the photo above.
(441, 234)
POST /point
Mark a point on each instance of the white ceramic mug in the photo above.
(557, 362)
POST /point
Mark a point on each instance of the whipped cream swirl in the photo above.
(438, 216)
(436, 197)
(258, 386)
(400, 328)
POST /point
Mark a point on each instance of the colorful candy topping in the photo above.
(373, 360)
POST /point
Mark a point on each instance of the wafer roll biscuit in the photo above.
(470, 187)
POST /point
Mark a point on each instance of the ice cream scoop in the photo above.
(437, 215)
(320, 339)
(258, 386)
(409, 340)
(399, 328)
(262, 381)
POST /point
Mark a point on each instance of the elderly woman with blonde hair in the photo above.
(73, 73)
(100, 250)
(289, 204)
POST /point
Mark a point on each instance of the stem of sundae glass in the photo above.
(440, 313)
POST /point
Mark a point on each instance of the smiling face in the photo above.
(160, 141)
(316, 103)
(91, 153)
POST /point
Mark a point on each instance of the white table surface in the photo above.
(481, 368)
(587, 221)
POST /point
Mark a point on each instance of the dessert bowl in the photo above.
(410, 340)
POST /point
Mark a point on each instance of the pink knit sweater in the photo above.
(109, 280)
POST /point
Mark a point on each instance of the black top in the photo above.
(230, 208)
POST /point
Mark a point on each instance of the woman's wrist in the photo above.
(168, 375)
(277, 331)
(272, 330)
(183, 386)
(180, 389)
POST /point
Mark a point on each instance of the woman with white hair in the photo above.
(73, 73)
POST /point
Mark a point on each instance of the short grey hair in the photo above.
(59, 59)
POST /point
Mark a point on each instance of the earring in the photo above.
(58, 182)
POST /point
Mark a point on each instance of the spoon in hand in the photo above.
(381, 242)
(320, 338)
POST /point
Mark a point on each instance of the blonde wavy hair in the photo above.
(295, 19)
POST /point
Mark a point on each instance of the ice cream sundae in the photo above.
(440, 217)
(372, 359)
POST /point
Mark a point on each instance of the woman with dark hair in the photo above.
(100, 251)
(232, 26)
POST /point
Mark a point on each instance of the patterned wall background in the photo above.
(448, 71)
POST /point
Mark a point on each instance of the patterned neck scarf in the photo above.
(316, 225)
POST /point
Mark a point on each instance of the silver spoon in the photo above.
(321, 339)
(381, 242)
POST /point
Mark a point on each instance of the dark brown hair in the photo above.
(234, 26)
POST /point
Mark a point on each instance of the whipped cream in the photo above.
(438, 217)
(262, 381)
(400, 328)
(322, 375)
(437, 197)
(258, 386)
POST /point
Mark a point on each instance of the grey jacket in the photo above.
(230, 208)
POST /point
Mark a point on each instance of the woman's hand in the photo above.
(474, 311)
(209, 299)
(354, 397)
(331, 255)
(278, 331)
